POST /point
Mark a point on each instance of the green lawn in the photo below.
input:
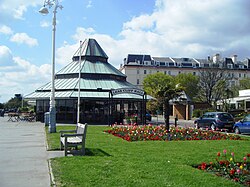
(112, 161)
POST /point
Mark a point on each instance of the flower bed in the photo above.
(229, 168)
(150, 132)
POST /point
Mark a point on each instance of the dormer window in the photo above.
(230, 66)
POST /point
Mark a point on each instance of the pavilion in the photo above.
(105, 95)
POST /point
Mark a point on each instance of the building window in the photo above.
(138, 71)
(169, 72)
(179, 72)
(230, 66)
(194, 73)
(165, 72)
(239, 75)
(138, 81)
(145, 71)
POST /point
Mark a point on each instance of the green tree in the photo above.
(189, 82)
(163, 88)
(244, 83)
(1, 105)
(15, 102)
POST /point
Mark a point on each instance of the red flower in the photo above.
(232, 171)
(203, 165)
(218, 154)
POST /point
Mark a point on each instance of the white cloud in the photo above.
(45, 24)
(5, 56)
(23, 38)
(23, 78)
(19, 11)
(5, 30)
(89, 5)
(180, 28)
(16, 8)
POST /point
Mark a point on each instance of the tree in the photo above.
(189, 82)
(1, 105)
(244, 83)
(163, 88)
(15, 103)
(212, 85)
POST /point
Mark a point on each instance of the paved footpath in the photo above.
(23, 155)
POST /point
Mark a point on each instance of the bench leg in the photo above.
(61, 147)
(65, 146)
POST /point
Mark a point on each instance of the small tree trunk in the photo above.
(166, 107)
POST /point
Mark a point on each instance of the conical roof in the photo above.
(96, 73)
(90, 47)
(93, 60)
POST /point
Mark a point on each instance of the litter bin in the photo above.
(46, 118)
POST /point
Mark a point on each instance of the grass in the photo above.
(112, 161)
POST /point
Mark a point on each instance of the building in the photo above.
(106, 96)
(240, 103)
(137, 67)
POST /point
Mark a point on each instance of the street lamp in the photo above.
(52, 109)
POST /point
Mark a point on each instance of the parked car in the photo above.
(2, 112)
(242, 126)
(148, 116)
(215, 120)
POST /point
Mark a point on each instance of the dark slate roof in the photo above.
(136, 58)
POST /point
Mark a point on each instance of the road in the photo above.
(180, 122)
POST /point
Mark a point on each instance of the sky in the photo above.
(163, 28)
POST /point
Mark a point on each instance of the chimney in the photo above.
(216, 58)
(125, 61)
(234, 59)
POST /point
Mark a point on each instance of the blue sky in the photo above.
(175, 28)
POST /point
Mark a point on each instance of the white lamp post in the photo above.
(52, 109)
(79, 85)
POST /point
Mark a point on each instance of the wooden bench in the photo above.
(73, 138)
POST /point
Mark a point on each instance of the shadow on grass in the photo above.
(95, 152)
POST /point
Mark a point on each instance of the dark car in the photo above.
(2, 112)
(215, 120)
(148, 116)
(243, 126)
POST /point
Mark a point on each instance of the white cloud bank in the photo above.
(23, 38)
(19, 75)
(180, 28)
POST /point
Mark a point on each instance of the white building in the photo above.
(242, 102)
(137, 67)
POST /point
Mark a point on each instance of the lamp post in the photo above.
(52, 109)
(79, 85)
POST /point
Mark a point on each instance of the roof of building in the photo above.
(96, 73)
(162, 59)
(97, 67)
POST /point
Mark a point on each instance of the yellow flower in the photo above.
(231, 159)
(241, 167)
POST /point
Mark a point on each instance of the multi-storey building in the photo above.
(137, 67)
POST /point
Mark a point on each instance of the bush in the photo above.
(199, 112)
